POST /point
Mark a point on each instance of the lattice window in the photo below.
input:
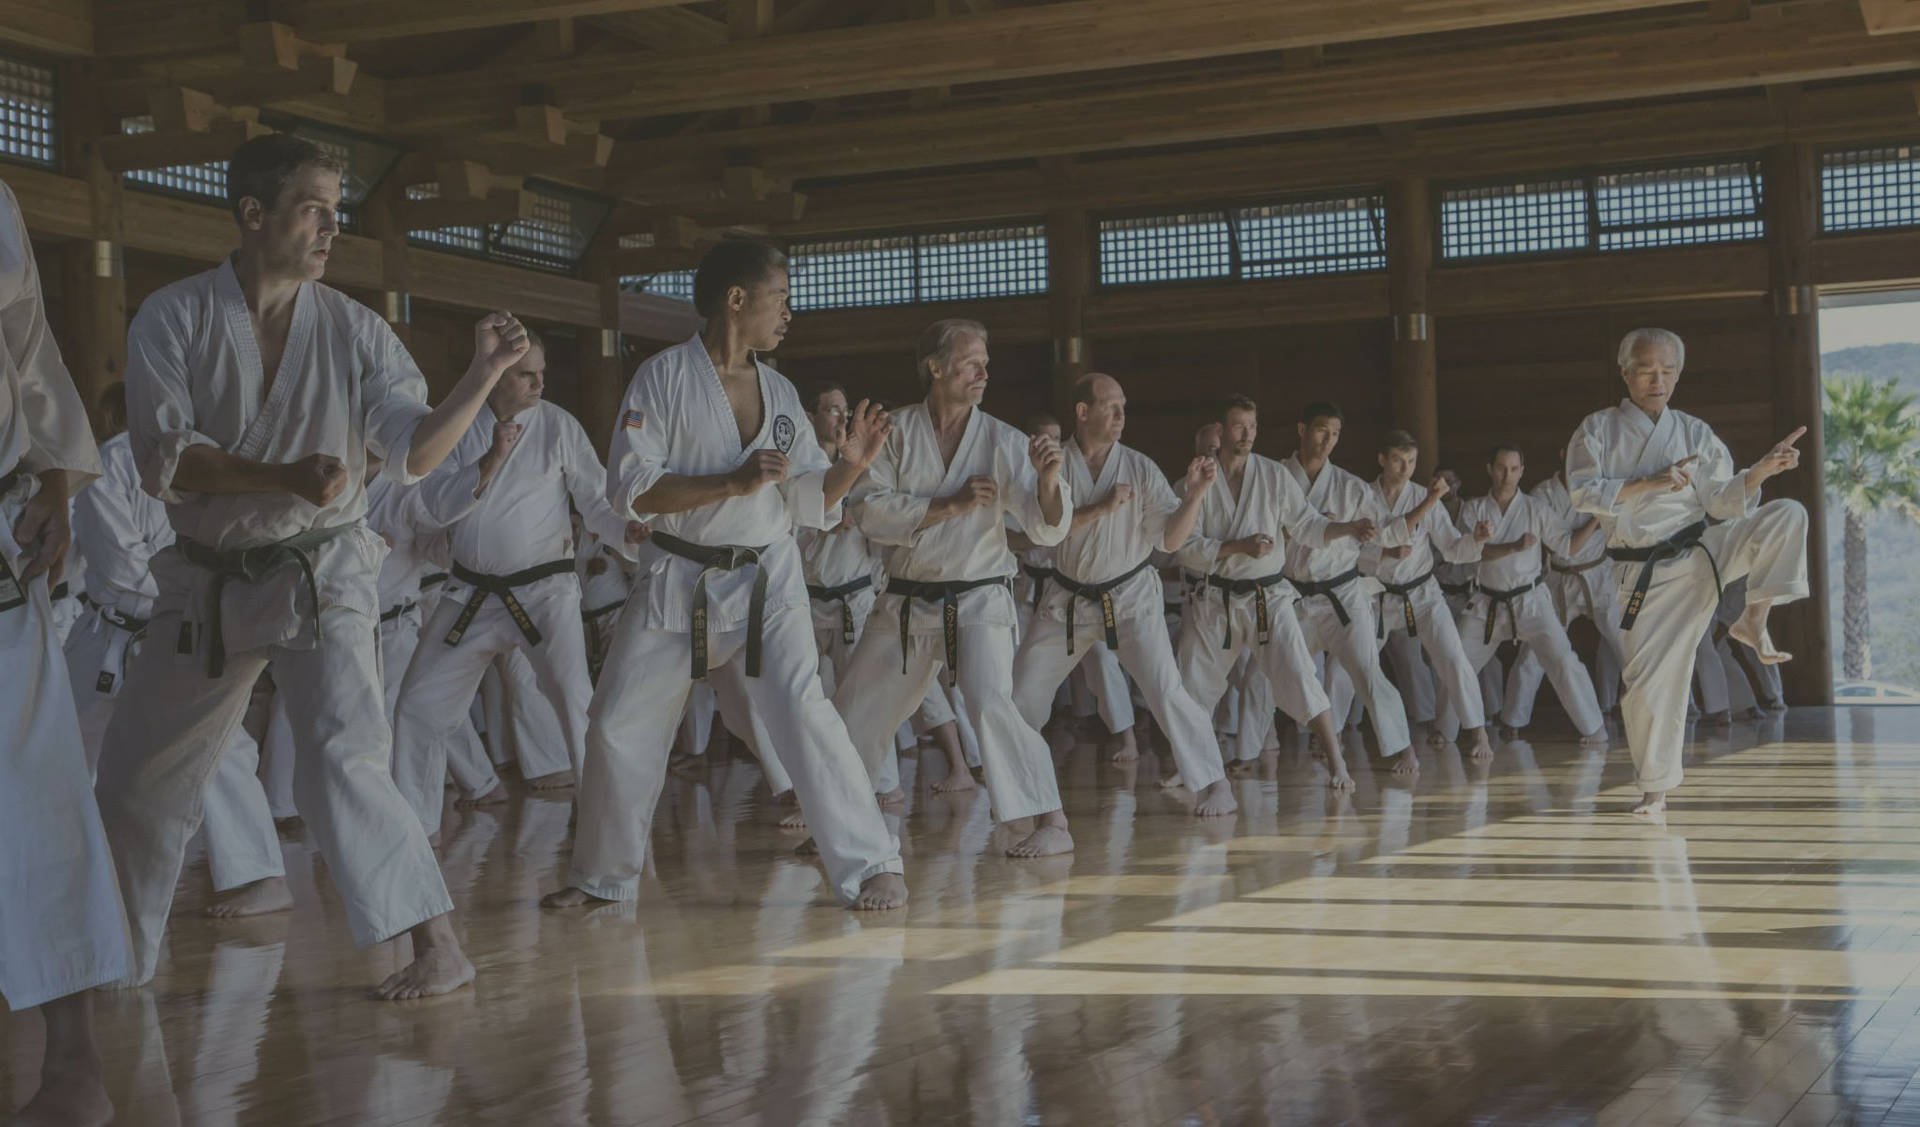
(934, 266)
(1320, 236)
(471, 240)
(676, 284)
(1868, 189)
(1165, 248)
(1536, 217)
(852, 272)
(202, 181)
(27, 128)
(555, 236)
(1699, 203)
(996, 262)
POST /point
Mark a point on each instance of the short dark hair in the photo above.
(260, 169)
(813, 391)
(733, 262)
(1320, 409)
(1040, 419)
(1238, 403)
(1399, 440)
(1500, 448)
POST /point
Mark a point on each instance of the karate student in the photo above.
(255, 396)
(1336, 616)
(1413, 611)
(1508, 601)
(714, 451)
(1655, 477)
(1104, 594)
(122, 527)
(937, 498)
(1244, 603)
(503, 497)
(61, 929)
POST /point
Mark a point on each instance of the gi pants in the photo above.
(1531, 619)
(1588, 593)
(1356, 647)
(167, 738)
(1453, 683)
(1769, 548)
(647, 678)
(1283, 662)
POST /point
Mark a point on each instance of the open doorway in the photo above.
(1870, 366)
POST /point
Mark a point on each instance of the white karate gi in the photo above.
(884, 682)
(121, 527)
(606, 579)
(1217, 626)
(61, 930)
(1354, 643)
(1420, 618)
(518, 522)
(676, 419)
(1097, 686)
(1766, 543)
(345, 387)
(1528, 616)
(1581, 584)
(1099, 552)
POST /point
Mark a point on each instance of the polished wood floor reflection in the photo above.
(1486, 944)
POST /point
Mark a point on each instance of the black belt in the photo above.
(601, 612)
(395, 611)
(59, 592)
(250, 565)
(1102, 593)
(838, 594)
(1039, 575)
(1575, 569)
(1497, 598)
(1328, 589)
(501, 585)
(11, 478)
(1258, 589)
(1672, 548)
(948, 595)
(730, 558)
(433, 580)
(1464, 587)
(135, 626)
(1403, 592)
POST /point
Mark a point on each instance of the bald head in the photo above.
(1099, 410)
(1206, 440)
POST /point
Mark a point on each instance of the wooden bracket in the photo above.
(503, 206)
(269, 45)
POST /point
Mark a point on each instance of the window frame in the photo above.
(1236, 256)
(917, 235)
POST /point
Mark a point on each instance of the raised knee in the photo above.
(1786, 510)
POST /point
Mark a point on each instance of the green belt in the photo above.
(250, 565)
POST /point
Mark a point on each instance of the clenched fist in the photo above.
(499, 339)
(317, 479)
(1044, 453)
(979, 490)
(762, 466)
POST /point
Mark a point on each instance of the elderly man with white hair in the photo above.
(1681, 523)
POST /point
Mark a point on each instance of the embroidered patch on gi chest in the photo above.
(783, 434)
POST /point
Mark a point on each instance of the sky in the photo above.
(1855, 325)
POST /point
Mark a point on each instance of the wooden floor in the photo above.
(1486, 945)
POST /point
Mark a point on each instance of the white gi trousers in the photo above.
(1356, 647)
(61, 929)
(1245, 711)
(242, 845)
(442, 680)
(1098, 685)
(942, 705)
(1207, 663)
(1575, 593)
(720, 697)
(1452, 683)
(646, 680)
(1532, 619)
(1769, 548)
(1147, 654)
(874, 697)
(166, 740)
(466, 757)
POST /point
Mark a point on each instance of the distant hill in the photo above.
(1876, 362)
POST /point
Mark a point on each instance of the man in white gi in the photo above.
(513, 584)
(938, 498)
(1244, 604)
(1336, 616)
(1413, 611)
(255, 397)
(121, 527)
(1508, 601)
(1105, 594)
(61, 929)
(1655, 477)
(713, 450)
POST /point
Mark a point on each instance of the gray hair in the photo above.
(1665, 338)
(940, 340)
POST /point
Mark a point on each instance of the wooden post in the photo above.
(93, 270)
(1069, 278)
(1793, 219)
(603, 378)
(1415, 379)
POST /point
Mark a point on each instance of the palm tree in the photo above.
(1873, 462)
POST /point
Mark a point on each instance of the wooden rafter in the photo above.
(1890, 17)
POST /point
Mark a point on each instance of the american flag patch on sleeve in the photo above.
(635, 420)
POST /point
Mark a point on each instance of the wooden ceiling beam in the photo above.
(1890, 17)
(58, 27)
(1810, 42)
(164, 148)
(665, 29)
(1024, 42)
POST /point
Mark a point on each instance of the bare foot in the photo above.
(1172, 782)
(438, 966)
(788, 798)
(1407, 763)
(495, 794)
(882, 892)
(1046, 841)
(1751, 629)
(1122, 748)
(554, 781)
(1596, 738)
(572, 898)
(955, 782)
(1437, 738)
(1723, 719)
(1481, 748)
(1653, 804)
(1215, 801)
(807, 848)
(68, 1097)
(894, 797)
(794, 821)
(257, 899)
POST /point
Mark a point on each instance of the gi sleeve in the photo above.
(58, 435)
(1393, 530)
(1301, 521)
(1456, 546)
(395, 394)
(889, 514)
(446, 495)
(805, 489)
(1587, 484)
(1019, 494)
(1722, 492)
(637, 452)
(1158, 502)
(586, 483)
(110, 534)
(160, 413)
